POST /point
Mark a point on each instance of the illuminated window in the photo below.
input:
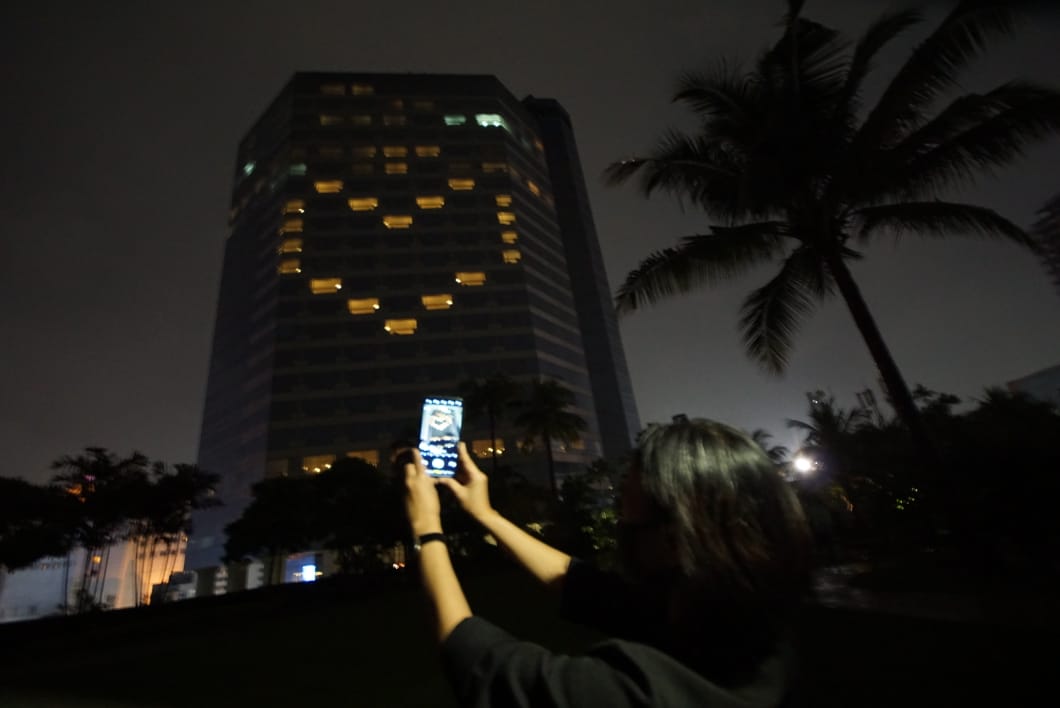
(397, 222)
(291, 226)
(455, 120)
(333, 89)
(394, 119)
(316, 464)
(485, 448)
(471, 278)
(363, 306)
(369, 456)
(330, 119)
(494, 167)
(297, 170)
(248, 168)
(323, 286)
(331, 153)
(395, 151)
(330, 186)
(397, 168)
(461, 185)
(509, 236)
(291, 245)
(505, 217)
(290, 266)
(511, 255)
(538, 145)
(361, 119)
(504, 200)
(363, 203)
(430, 202)
(365, 151)
(395, 104)
(294, 206)
(442, 301)
(362, 89)
(428, 151)
(423, 106)
(490, 120)
(400, 326)
(532, 186)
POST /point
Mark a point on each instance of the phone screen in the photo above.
(439, 434)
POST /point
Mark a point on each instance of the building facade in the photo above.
(390, 237)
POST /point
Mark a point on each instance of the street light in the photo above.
(803, 464)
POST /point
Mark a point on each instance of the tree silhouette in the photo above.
(490, 397)
(544, 417)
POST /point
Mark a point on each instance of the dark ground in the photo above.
(330, 644)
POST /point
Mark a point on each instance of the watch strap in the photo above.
(427, 538)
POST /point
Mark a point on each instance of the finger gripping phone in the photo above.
(440, 433)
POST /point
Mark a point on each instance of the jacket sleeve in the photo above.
(596, 599)
(488, 667)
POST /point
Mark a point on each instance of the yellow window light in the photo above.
(292, 226)
(430, 202)
(369, 456)
(461, 185)
(290, 266)
(363, 306)
(471, 278)
(442, 301)
(364, 151)
(363, 203)
(323, 286)
(333, 89)
(291, 245)
(428, 151)
(505, 217)
(361, 119)
(395, 151)
(397, 222)
(328, 186)
(315, 464)
(294, 206)
(494, 167)
(504, 200)
(511, 255)
(400, 326)
(509, 237)
(486, 448)
(362, 89)
(532, 186)
(397, 168)
(330, 119)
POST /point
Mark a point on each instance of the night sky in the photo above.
(120, 128)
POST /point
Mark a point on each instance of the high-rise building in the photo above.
(1047, 233)
(391, 236)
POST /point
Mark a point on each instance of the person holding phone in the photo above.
(715, 557)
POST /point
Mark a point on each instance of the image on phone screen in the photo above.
(439, 434)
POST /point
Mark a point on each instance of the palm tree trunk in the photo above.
(493, 439)
(901, 398)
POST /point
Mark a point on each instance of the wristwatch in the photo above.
(427, 538)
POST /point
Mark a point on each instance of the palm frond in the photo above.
(698, 260)
(771, 315)
(939, 219)
(933, 68)
(973, 136)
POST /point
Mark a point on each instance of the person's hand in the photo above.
(421, 499)
(470, 486)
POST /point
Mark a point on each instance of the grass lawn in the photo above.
(332, 644)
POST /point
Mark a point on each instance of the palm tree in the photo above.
(775, 453)
(544, 416)
(490, 397)
(798, 172)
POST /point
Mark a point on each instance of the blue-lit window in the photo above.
(297, 169)
(455, 120)
(248, 168)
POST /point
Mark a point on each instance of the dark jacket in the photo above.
(489, 667)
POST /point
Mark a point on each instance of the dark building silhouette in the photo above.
(390, 237)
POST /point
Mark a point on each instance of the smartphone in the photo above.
(439, 434)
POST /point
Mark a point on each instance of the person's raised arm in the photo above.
(470, 487)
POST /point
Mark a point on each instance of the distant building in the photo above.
(113, 578)
(1047, 232)
(391, 236)
(1043, 385)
